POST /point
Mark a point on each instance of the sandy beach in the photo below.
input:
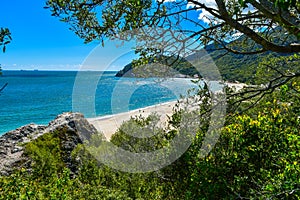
(109, 124)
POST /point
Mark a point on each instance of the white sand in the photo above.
(109, 124)
(236, 86)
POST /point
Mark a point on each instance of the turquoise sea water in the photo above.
(39, 96)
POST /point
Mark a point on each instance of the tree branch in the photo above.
(253, 35)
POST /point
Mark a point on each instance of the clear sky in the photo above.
(41, 41)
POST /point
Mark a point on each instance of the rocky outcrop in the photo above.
(76, 130)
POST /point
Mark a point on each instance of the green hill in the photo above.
(233, 67)
(179, 67)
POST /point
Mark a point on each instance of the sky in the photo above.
(41, 41)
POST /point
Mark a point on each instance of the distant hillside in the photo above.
(179, 68)
(233, 67)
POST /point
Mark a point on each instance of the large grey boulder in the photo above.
(76, 130)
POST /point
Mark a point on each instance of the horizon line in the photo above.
(56, 70)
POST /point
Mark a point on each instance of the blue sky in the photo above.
(41, 41)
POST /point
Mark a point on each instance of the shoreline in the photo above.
(109, 124)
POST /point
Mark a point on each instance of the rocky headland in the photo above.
(12, 144)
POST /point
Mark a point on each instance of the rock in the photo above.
(77, 129)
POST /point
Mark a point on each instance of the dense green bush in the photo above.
(50, 179)
(256, 157)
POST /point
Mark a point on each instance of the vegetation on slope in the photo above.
(256, 157)
(233, 67)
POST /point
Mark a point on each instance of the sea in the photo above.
(39, 96)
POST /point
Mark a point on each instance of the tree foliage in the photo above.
(270, 75)
(5, 38)
(224, 21)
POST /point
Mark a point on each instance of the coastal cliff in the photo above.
(76, 129)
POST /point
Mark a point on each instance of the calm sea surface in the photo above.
(39, 96)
